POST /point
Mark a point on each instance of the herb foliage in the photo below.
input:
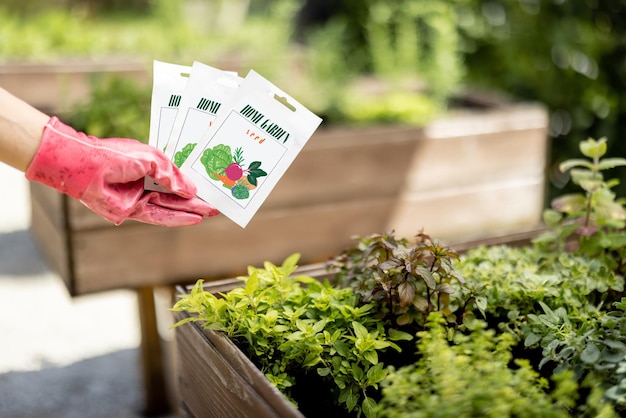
(411, 328)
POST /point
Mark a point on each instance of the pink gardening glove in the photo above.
(107, 175)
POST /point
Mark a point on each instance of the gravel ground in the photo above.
(59, 356)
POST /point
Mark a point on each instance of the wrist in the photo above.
(60, 160)
(21, 127)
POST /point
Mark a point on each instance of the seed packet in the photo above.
(250, 145)
(168, 84)
(205, 94)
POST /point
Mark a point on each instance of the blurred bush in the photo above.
(118, 107)
(568, 54)
(22, 7)
(380, 60)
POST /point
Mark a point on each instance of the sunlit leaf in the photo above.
(607, 163)
(592, 148)
(569, 164)
(590, 353)
(569, 203)
(369, 408)
(396, 335)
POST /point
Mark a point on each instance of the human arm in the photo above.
(107, 175)
(21, 126)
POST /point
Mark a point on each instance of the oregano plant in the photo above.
(477, 375)
(303, 334)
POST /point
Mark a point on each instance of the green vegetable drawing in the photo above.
(216, 159)
(240, 191)
(182, 155)
(222, 165)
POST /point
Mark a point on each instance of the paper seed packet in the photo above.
(207, 91)
(249, 146)
(168, 84)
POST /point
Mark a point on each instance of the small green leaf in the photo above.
(376, 374)
(311, 360)
(551, 217)
(481, 303)
(569, 203)
(607, 163)
(574, 162)
(371, 356)
(252, 284)
(615, 345)
(357, 372)
(421, 303)
(531, 339)
(323, 371)
(319, 325)
(396, 335)
(592, 148)
(590, 354)
(369, 407)
(359, 330)
(342, 348)
(351, 400)
(403, 319)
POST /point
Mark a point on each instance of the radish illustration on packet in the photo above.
(234, 136)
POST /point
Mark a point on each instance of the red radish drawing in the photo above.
(235, 177)
(235, 170)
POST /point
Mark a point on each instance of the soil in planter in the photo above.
(316, 397)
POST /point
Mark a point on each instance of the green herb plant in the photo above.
(592, 347)
(117, 107)
(475, 375)
(592, 222)
(515, 281)
(304, 334)
(562, 297)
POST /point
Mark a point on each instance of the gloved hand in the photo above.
(107, 175)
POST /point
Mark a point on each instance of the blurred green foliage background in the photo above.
(568, 54)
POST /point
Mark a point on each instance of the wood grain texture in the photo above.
(216, 380)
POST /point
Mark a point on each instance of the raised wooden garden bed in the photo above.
(216, 379)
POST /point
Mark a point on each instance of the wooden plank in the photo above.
(51, 239)
(57, 87)
(51, 203)
(470, 212)
(219, 381)
(345, 163)
(143, 254)
(156, 395)
(148, 255)
(477, 159)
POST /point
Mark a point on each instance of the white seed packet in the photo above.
(168, 83)
(207, 91)
(251, 144)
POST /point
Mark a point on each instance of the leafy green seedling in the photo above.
(591, 222)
